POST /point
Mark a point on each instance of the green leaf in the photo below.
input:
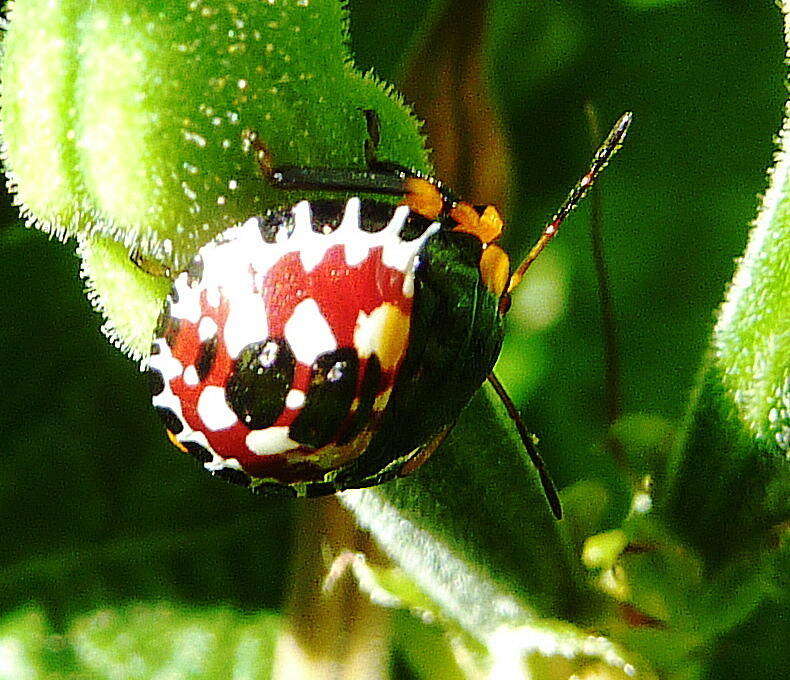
(84, 467)
(97, 506)
(25, 652)
(728, 483)
(652, 4)
(518, 646)
(473, 527)
(427, 650)
(672, 610)
(128, 298)
(726, 491)
(754, 650)
(752, 336)
(130, 125)
(141, 641)
(138, 116)
(473, 532)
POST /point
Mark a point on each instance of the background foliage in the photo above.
(99, 512)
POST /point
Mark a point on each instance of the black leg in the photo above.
(373, 139)
(372, 147)
(545, 479)
(380, 177)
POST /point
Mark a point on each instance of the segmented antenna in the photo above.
(602, 157)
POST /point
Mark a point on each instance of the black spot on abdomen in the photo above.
(367, 396)
(260, 381)
(206, 356)
(333, 385)
(233, 476)
(375, 215)
(199, 451)
(415, 226)
(156, 383)
(271, 224)
(167, 327)
(170, 419)
(327, 215)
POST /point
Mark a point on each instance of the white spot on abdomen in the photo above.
(303, 218)
(190, 376)
(188, 305)
(207, 328)
(165, 362)
(213, 297)
(311, 249)
(408, 285)
(308, 332)
(270, 441)
(246, 323)
(214, 410)
(219, 463)
(295, 399)
(356, 249)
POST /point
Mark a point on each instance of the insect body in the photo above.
(333, 344)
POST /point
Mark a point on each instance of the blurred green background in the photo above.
(98, 509)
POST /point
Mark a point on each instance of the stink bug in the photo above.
(332, 344)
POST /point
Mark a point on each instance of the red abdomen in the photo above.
(281, 344)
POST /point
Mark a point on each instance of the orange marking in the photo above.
(467, 218)
(385, 332)
(491, 224)
(495, 269)
(487, 227)
(423, 198)
(174, 441)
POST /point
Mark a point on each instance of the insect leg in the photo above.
(545, 479)
(378, 178)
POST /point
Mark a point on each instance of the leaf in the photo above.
(82, 467)
(141, 113)
(97, 507)
(141, 641)
(427, 651)
(24, 652)
(652, 4)
(755, 649)
(494, 566)
(131, 125)
(728, 483)
(752, 336)
(128, 298)
(473, 528)
(516, 649)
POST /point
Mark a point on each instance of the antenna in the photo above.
(602, 157)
